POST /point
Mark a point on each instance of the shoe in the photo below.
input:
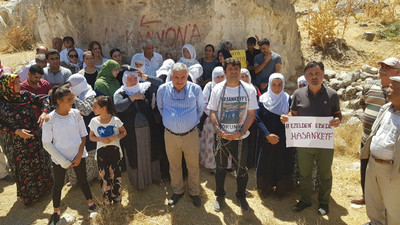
(243, 204)
(219, 204)
(300, 206)
(54, 219)
(196, 200)
(323, 209)
(174, 199)
(358, 201)
(92, 208)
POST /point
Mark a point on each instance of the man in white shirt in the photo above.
(233, 106)
(40, 50)
(153, 60)
(383, 171)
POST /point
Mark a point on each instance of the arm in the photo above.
(122, 134)
(160, 106)
(285, 118)
(85, 107)
(155, 82)
(49, 147)
(200, 103)
(120, 103)
(206, 97)
(260, 123)
(278, 67)
(259, 67)
(337, 119)
(78, 157)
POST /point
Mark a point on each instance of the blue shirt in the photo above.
(180, 111)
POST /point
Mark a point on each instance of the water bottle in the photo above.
(116, 130)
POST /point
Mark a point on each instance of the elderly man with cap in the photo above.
(374, 96)
(383, 172)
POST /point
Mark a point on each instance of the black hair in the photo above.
(36, 69)
(58, 93)
(263, 41)
(52, 52)
(69, 38)
(251, 40)
(231, 61)
(106, 101)
(314, 64)
(210, 45)
(113, 51)
(225, 53)
(72, 50)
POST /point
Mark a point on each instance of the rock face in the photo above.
(171, 24)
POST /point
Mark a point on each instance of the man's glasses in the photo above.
(73, 56)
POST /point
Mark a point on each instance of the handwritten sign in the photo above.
(309, 132)
(241, 56)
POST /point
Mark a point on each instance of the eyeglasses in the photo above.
(73, 56)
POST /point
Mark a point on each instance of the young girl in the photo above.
(106, 129)
(64, 137)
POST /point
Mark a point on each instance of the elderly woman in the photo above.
(95, 48)
(275, 163)
(208, 63)
(106, 82)
(188, 55)
(142, 145)
(165, 69)
(22, 140)
(84, 103)
(207, 158)
(253, 148)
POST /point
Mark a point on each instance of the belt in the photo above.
(382, 161)
(181, 134)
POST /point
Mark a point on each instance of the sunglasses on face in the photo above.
(73, 56)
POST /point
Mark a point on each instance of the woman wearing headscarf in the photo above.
(222, 55)
(301, 82)
(142, 145)
(253, 148)
(188, 55)
(275, 163)
(207, 158)
(22, 139)
(165, 69)
(85, 97)
(106, 82)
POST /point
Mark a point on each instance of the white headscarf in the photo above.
(80, 87)
(244, 70)
(137, 88)
(165, 69)
(192, 60)
(215, 73)
(139, 58)
(276, 103)
(195, 71)
(301, 80)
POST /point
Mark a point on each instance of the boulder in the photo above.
(350, 92)
(365, 75)
(355, 104)
(346, 77)
(369, 36)
(363, 24)
(336, 84)
(353, 121)
(369, 69)
(330, 74)
(341, 92)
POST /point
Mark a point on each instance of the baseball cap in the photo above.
(392, 61)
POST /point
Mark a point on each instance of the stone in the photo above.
(355, 104)
(330, 74)
(380, 34)
(365, 76)
(336, 84)
(359, 88)
(369, 79)
(353, 121)
(350, 92)
(363, 24)
(369, 69)
(170, 24)
(369, 36)
(66, 220)
(346, 77)
(341, 92)
(359, 94)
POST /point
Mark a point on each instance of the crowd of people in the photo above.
(73, 115)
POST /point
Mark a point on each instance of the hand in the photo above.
(42, 118)
(112, 138)
(263, 85)
(106, 140)
(22, 133)
(70, 166)
(138, 96)
(335, 122)
(231, 137)
(272, 138)
(141, 74)
(267, 57)
(284, 119)
(76, 161)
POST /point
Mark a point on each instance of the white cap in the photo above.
(392, 61)
(395, 78)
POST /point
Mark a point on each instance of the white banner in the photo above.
(309, 132)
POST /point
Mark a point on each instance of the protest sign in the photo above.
(241, 56)
(309, 132)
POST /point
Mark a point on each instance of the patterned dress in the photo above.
(27, 159)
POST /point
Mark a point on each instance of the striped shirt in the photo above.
(373, 98)
(180, 111)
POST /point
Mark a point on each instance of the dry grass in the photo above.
(348, 139)
(20, 36)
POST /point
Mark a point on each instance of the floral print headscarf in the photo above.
(7, 91)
